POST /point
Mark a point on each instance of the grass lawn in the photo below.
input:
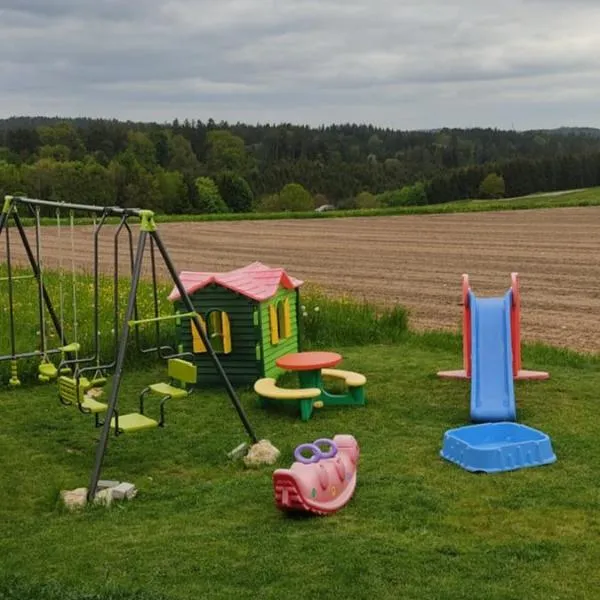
(203, 527)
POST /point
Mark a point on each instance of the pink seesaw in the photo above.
(322, 483)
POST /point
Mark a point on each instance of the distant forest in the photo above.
(195, 166)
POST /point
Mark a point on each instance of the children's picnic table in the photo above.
(309, 365)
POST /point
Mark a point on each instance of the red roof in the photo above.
(256, 281)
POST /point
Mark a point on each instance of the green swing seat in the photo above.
(69, 393)
(47, 371)
(181, 373)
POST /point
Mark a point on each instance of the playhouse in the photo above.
(250, 316)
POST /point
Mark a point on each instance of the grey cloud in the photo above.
(420, 63)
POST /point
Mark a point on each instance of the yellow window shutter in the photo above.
(273, 323)
(198, 344)
(287, 319)
(226, 333)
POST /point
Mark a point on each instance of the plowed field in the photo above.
(416, 261)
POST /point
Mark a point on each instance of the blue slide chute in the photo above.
(492, 387)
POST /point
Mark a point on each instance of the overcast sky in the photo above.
(405, 64)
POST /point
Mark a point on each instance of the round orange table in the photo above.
(308, 361)
(309, 365)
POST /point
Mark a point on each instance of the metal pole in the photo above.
(34, 354)
(3, 219)
(116, 383)
(190, 307)
(40, 280)
(110, 210)
(11, 307)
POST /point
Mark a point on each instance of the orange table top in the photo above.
(308, 361)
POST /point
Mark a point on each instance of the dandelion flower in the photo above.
(316, 309)
(305, 314)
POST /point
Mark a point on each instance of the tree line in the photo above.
(194, 167)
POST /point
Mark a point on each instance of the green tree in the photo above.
(141, 146)
(209, 199)
(174, 193)
(492, 186)
(59, 152)
(62, 134)
(235, 191)
(10, 178)
(226, 152)
(295, 198)
(135, 186)
(182, 157)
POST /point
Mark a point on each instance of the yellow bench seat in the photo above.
(268, 388)
(134, 422)
(351, 378)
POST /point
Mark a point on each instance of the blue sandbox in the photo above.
(496, 447)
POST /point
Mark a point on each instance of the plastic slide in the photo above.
(492, 387)
(515, 325)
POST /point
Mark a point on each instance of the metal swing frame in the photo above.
(148, 232)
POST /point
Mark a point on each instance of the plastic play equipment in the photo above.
(251, 315)
(492, 359)
(492, 387)
(148, 238)
(515, 333)
(181, 375)
(312, 368)
(497, 447)
(321, 483)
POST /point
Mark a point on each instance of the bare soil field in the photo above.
(416, 261)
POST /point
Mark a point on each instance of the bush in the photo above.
(367, 200)
(493, 186)
(409, 195)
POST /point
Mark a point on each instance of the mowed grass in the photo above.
(205, 527)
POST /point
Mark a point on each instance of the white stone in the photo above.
(263, 453)
(104, 497)
(124, 491)
(74, 499)
(107, 483)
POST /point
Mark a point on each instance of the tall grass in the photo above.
(74, 304)
(344, 320)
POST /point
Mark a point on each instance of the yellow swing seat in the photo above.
(164, 389)
(134, 422)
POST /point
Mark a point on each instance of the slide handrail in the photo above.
(466, 325)
(515, 322)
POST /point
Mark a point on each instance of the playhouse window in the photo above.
(197, 344)
(219, 332)
(280, 320)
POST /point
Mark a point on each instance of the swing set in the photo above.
(74, 375)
